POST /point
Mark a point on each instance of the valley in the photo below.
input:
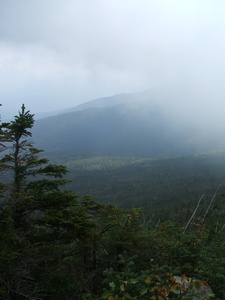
(133, 150)
(120, 223)
(166, 188)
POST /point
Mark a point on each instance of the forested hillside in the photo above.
(166, 188)
(116, 129)
(55, 244)
(128, 124)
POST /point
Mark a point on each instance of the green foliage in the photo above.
(55, 244)
(153, 283)
(22, 158)
(167, 188)
(41, 225)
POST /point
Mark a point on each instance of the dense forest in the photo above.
(165, 188)
(57, 244)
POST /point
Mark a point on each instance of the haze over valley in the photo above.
(130, 124)
(112, 142)
(112, 79)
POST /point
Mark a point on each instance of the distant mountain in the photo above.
(100, 102)
(128, 124)
(113, 100)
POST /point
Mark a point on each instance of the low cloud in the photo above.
(58, 54)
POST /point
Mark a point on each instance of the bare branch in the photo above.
(199, 201)
(210, 204)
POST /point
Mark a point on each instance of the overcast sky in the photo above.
(56, 54)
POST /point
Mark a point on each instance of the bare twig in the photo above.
(210, 204)
(199, 201)
(157, 224)
(222, 227)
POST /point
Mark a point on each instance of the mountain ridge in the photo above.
(138, 126)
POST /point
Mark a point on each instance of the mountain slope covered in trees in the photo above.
(124, 124)
(57, 245)
(166, 188)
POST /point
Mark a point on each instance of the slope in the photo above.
(120, 129)
(166, 187)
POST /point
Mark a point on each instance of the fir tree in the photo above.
(41, 225)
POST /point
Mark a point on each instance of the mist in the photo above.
(56, 55)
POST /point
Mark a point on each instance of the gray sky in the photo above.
(56, 54)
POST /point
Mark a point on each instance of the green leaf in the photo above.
(143, 292)
(134, 281)
(210, 295)
(112, 285)
(106, 294)
(176, 291)
(122, 287)
(127, 296)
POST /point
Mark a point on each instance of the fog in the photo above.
(57, 54)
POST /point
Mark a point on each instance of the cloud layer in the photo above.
(56, 54)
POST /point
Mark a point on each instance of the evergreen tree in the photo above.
(22, 158)
(43, 228)
(55, 245)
